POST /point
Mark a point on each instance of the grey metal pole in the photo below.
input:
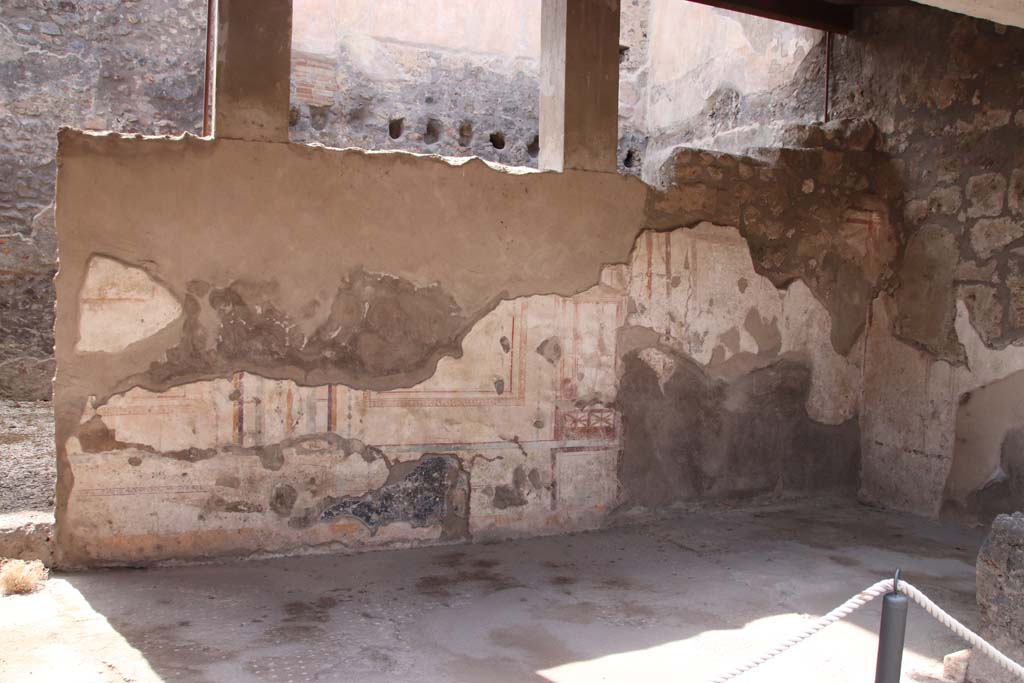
(891, 633)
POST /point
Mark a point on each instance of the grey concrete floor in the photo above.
(674, 600)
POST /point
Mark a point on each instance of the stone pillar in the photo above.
(253, 77)
(579, 85)
(1000, 598)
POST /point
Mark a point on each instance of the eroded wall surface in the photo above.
(487, 352)
(455, 73)
(948, 342)
(945, 93)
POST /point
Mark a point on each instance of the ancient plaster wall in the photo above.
(103, 64)
(945, 94)
(139, 67)
(370, 367)
(456, 78)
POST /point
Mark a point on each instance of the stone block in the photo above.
(1015, 195)
(985, 195)
(989, 235)
(1015, 283)
(1000, 598)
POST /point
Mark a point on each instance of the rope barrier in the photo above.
(863, 598)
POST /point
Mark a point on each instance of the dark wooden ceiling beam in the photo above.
(811, 13)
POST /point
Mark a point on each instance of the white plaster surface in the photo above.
(696, 49)
(121, 305)
(509, 27)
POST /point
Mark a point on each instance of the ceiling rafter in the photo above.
(826, 15)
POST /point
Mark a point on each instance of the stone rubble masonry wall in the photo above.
(955, 129)
(1000, 598)
(126, 65)
(941, 429)
(952, 120)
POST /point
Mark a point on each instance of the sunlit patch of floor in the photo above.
(55, 635)
(843, 652)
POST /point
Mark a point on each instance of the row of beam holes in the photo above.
(432, 133)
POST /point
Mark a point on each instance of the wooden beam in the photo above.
(252, 78)
(579, 85)
(811, 13)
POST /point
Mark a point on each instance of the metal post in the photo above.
(891, 633)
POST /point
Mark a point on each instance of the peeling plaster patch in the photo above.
(663, 364)
(732, 329)
(283, 499)
(842, 239)
(225, 480)
(434, 492)
(985, 308)
(372, 325)
(765, 332)
(926, 301)
(514, 494)
(121, 305)
(551, 350)
(836, 380)
(191, 507)
(511, 495)
(191, 416)
(588, 485)
(984, 365)
(217, 504)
